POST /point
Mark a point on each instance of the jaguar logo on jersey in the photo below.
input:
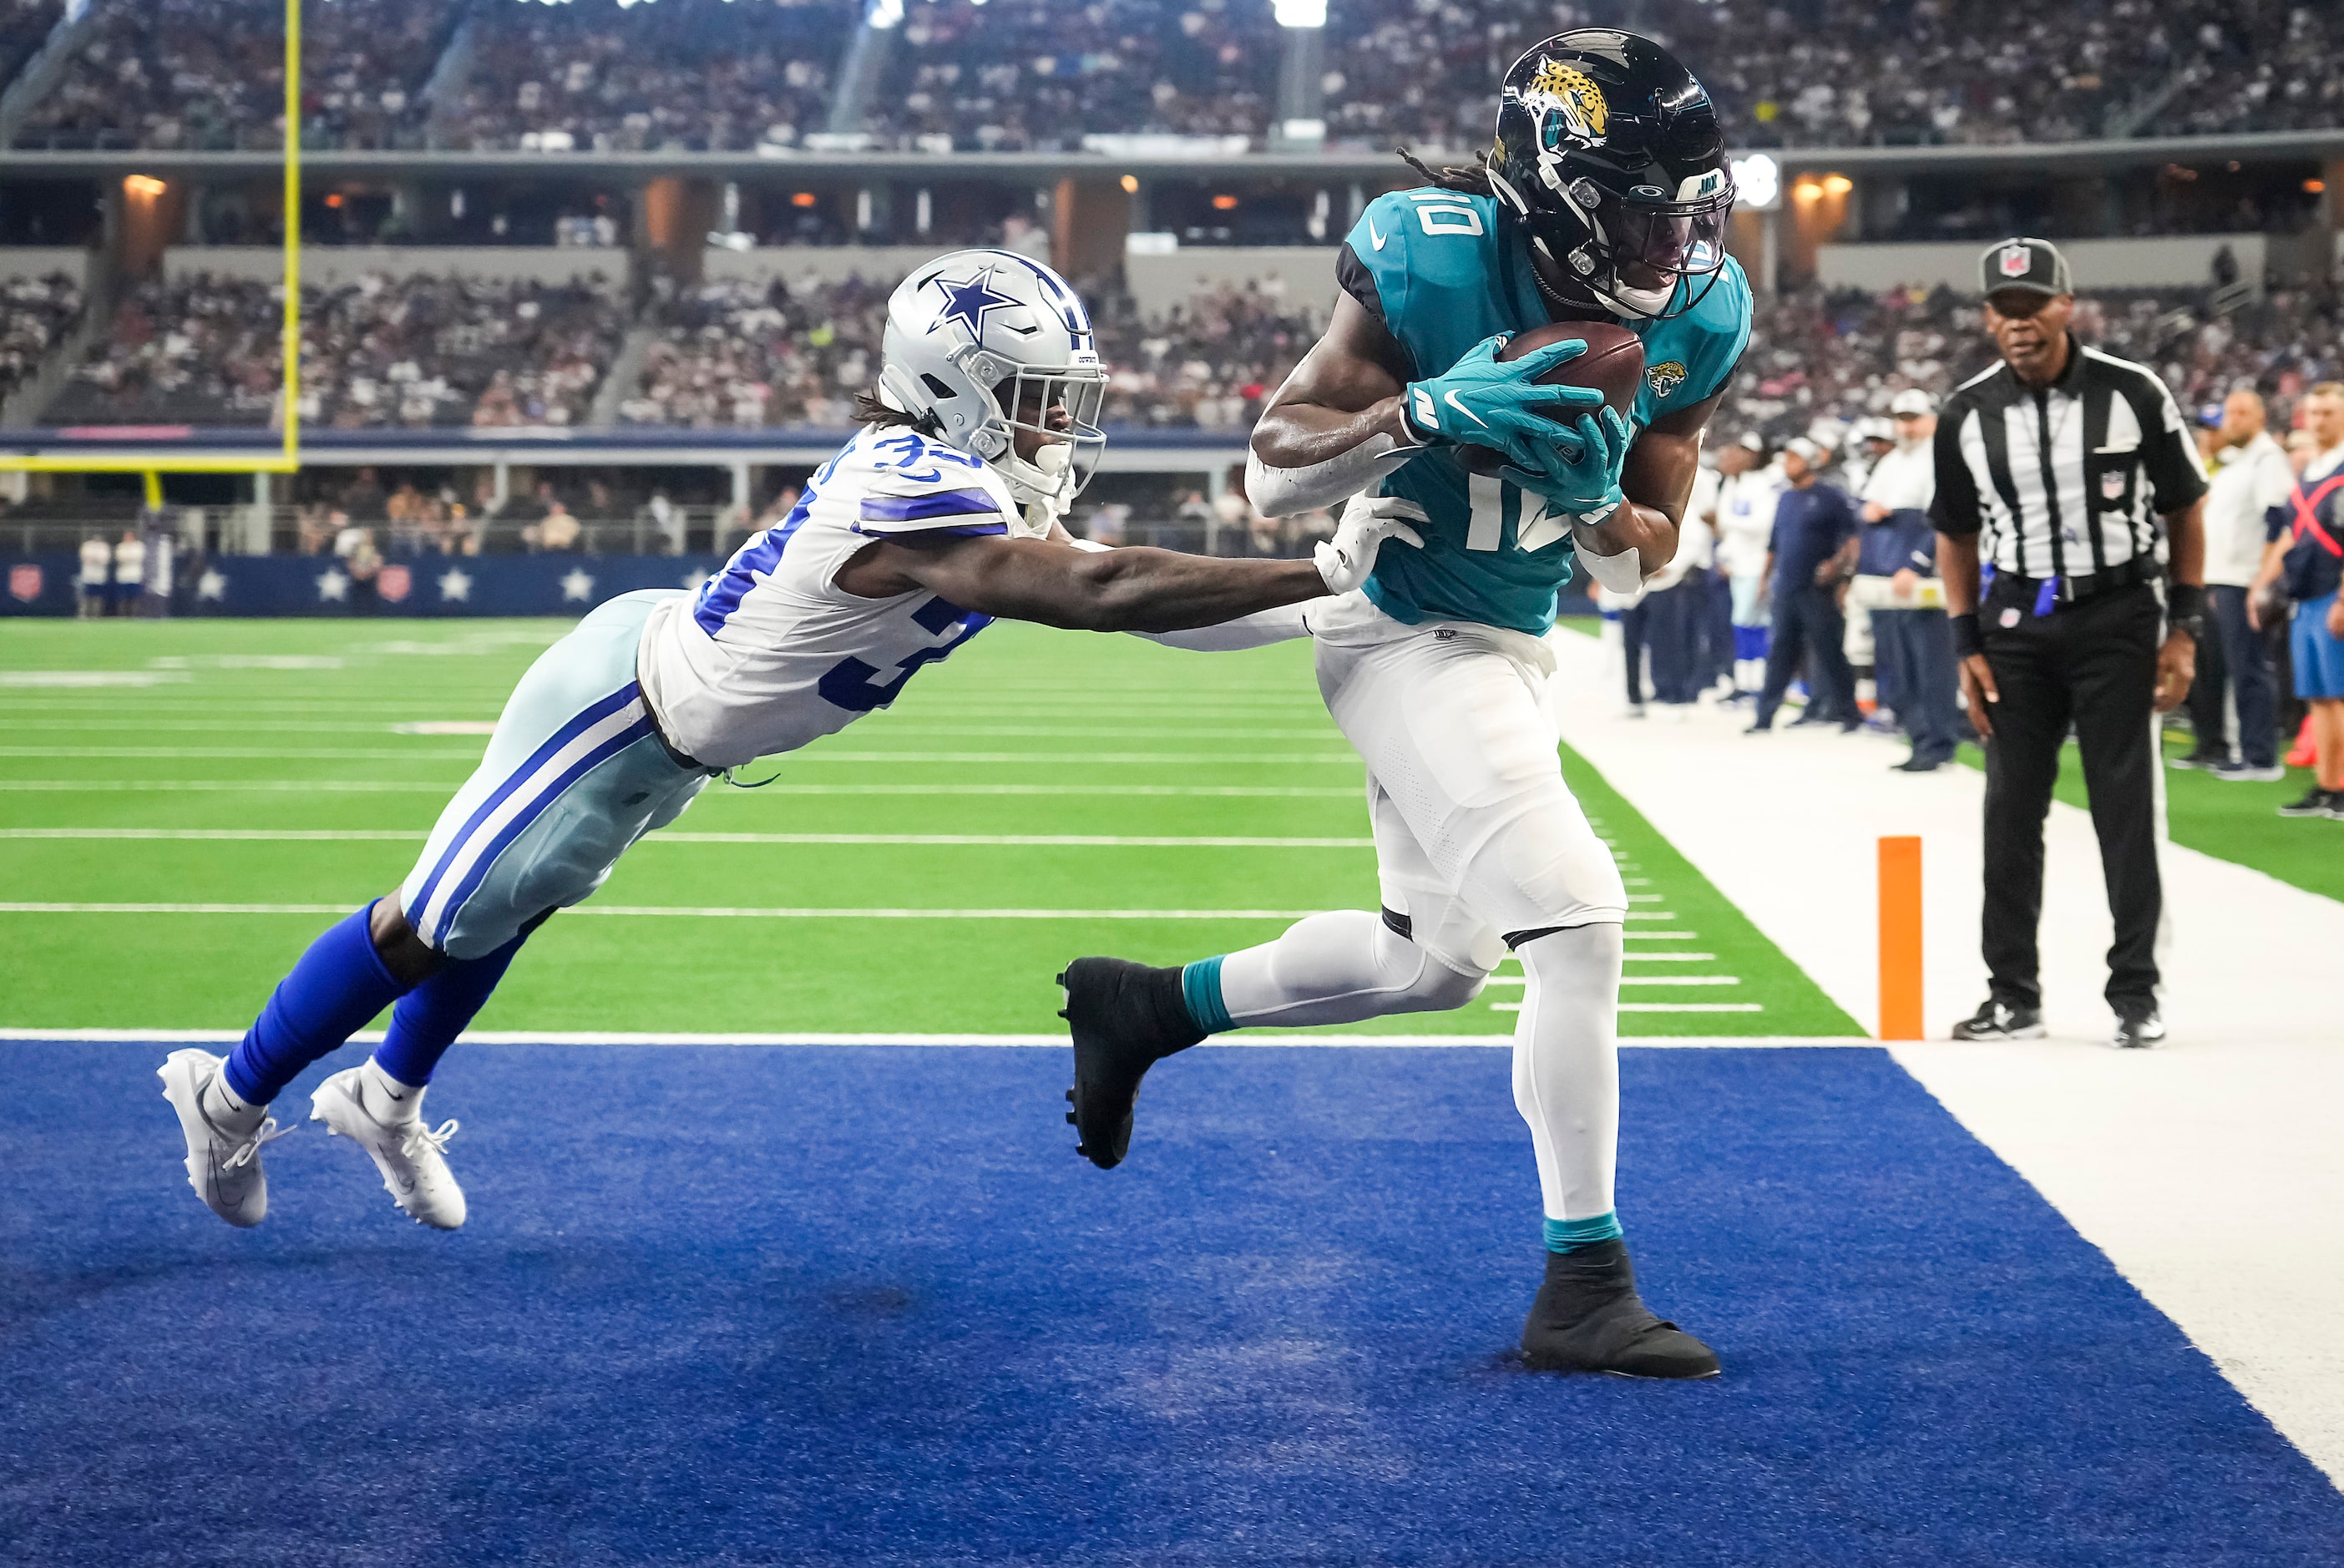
(1665, 377)
(2016, 260)
(1571, 93)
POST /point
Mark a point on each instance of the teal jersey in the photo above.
(1443, 270)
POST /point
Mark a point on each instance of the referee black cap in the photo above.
(2035, 266)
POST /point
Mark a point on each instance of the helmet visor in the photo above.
(1674, 239)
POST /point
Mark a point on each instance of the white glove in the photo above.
(1622, 573)
(1344, 560)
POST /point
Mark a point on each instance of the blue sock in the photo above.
(338, 985)
(1570, 1235)
(1200, 993)
(429, 1018)
(1750, 641)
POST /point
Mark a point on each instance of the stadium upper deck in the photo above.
(1040, 76)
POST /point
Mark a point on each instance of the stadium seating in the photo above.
(34, 313)
(1036, 74)
(416, 351)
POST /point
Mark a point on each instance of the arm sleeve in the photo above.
(2168, 456)
(1954, 508)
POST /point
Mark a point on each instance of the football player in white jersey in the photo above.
(943, 514)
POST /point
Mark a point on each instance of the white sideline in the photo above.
(2207, 1171)
(668, 836)
(608, 1038)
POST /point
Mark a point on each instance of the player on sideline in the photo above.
(1605, 198)
(943, 513)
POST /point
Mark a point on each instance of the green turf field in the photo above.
(2233, 822)
(1120, 797)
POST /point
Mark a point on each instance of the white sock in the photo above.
(385, 1098)
(1337, 967)
(226, 1111)
(1567, 1065)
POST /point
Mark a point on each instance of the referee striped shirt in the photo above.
(2067, 479)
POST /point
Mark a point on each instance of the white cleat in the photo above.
(412, 1155)
(223, 1166)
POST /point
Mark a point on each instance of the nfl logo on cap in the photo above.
(2016, 260)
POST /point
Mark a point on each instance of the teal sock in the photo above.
(1200, 993)
(1570, 1235)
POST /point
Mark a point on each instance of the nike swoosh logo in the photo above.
(1452, 398)
(1373, 238)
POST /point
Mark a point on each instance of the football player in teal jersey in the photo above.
(1605, 200)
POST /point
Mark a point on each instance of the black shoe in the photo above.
(1762, 728)
(2318, 802)
(1995, 1021)
(2140, 1031)
(1588, 1319)
(2199, 760)
(1919, 764)
(1810, 717)
(1124, 1018)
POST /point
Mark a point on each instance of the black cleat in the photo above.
(1999, 1021)
(1588, 1319)
(2140, 1031)
(1124, 1018)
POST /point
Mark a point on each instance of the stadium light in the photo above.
(1300, 13)
(1838, 185)
(880, 15)
(1758, 183)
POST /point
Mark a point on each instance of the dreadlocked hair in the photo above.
(1469, 179)
(870, 410)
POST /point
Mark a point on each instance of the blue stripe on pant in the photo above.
(573, 776)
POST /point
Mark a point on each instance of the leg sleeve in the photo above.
(1567, 1067)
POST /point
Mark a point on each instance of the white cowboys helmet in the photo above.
(982, 344)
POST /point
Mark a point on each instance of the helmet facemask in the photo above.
(1056, 410)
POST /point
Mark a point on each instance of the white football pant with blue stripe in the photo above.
(574, 773)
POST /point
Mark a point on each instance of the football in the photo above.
(1612, 365)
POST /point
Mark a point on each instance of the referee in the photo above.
(2053, 469)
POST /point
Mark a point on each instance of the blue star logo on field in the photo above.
(970, 300)
(577, 586)
(455, 587)
(333, 584)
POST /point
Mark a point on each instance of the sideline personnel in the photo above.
(2064, 457)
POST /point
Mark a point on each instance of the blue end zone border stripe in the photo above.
(523, 820)
(936, 503)
(545, 753)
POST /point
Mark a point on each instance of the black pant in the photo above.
(2210, 721)
(1676, 629)
(1721, 629)
(1917, 645)
(1635, 623)
(2094, 665)
(1808, 617)
(2246, 661)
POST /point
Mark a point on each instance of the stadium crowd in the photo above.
(1038, 74)
(415, 351)
(34, 313)
(208, 75)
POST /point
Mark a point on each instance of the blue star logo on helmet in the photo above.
(969, 300)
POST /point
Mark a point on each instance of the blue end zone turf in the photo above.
(858, 1305)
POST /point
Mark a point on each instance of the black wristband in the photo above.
(2185, 601)
(1967, 639)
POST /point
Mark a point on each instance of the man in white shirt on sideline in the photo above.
(97, 568)
(1743, 518)
(129, 572)
(1896, 581)
(2251, 475)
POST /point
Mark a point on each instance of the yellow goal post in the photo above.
(288, 458)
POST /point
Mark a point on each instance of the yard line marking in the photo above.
(1033, 840)
(1643, 897)
(602, 1037)
(447, 786)
(79, 678)
(1085, 759)
(1650, 914)
(1661, 936)
(1680, 980)
(701, 912)
(1643, 1007)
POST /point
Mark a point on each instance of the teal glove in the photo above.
(1580, 473)
(1485, 402)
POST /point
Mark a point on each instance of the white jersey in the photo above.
(1745, 519)
(771, 655)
